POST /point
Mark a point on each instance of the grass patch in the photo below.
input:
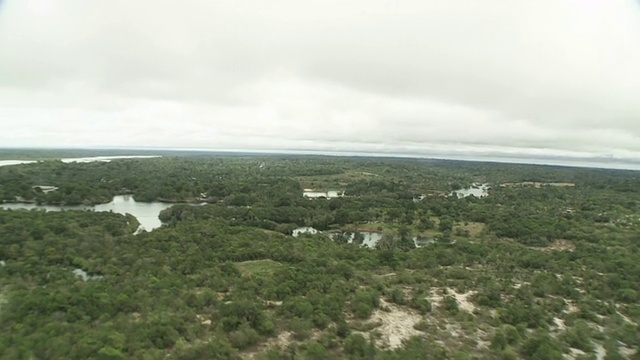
(472, 228)
(266, 266)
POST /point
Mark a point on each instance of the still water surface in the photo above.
(146, 213)
(477, 190)
(371, 238)
(80, 160)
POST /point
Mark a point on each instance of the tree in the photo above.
(446, 223)
(405, 240)
(388, 241)
(542, 347)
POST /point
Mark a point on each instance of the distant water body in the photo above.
(80, 160)
(584, 160)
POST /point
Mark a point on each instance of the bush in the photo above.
(301, 328)
(397, 296)
(421, 304)
(450, 304)
(243, 338)
(579, 337)
(356, 346)
(364, 303)
(315, 351)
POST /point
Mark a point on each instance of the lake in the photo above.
(80, 160)
(146, 213)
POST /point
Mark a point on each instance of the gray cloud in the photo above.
(502, 78)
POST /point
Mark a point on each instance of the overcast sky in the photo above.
(459, 77)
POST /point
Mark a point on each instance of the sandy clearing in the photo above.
(396, 324)
(436, 296)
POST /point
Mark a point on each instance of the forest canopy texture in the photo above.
(545, 266)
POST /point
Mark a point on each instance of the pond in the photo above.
(371, 238)
(146, 213)
(85, 276)
(477, 190)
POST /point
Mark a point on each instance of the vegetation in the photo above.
(546, 266)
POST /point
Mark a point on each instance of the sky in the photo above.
(457, 78)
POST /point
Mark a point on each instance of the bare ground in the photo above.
(395, 325)
(464, 303)
(283, 341)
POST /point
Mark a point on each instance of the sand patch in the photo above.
(387, 275)
(559, 324)
(574, 353)
(561, 245)
(437, 296)
(601, 353)
(571, 307)
(283, 340)
(626, 352)
(394, 325)
(626, 319)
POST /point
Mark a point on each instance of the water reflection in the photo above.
(477, 190)
(146, 212)
(369, 238)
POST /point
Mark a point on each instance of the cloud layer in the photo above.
(494, 77)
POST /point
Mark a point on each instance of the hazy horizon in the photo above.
(597, 163)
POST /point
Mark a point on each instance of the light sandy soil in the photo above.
(574, 353)
(571, 307)
(283, 341)
(561, 245)
(601, 353)
(396, 325)
(626, 352)
(203, 320)
(519, 284)
(559, 324)
(136, 316)
(558, 245)
(626, 319)
(464, 303)
(387, 275)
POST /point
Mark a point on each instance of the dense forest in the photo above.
(546, 266)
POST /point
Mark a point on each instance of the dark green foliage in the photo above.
(357, 347)
(225, 278)
(541, 347)
(579, 337)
